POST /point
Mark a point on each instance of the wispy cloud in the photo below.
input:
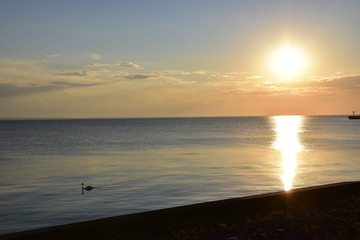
(345, 83)
(230, 76)
(19, 77)
(51, 55)
(9, 90)
(166, 77)
(16, 71)
(180, 73)
(138, 76)
(120, 64)
(129, 65)
(74, 73)
(254, 85)
(95, 56)
(325, 86)
(255, 77)
(74, 84)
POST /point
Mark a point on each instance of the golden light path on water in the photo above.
(287, 129)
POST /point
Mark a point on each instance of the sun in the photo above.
(288, 61)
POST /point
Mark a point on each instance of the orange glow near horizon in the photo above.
(287, 142)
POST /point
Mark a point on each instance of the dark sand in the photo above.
(322, 212)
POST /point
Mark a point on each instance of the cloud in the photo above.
(129, 65)
(168, 77)
(255, 77)
(325, 86)
(23, 71)
(179, 73)
(74, 84)
(175, 81)
(344, 83)
(75, 73)
(95, 56)
(22, 77)
(120, 64)
(138, 76)
(51, 55)
(9, 90)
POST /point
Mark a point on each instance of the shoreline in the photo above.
(181, 221)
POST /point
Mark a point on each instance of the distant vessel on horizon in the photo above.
(354, 116)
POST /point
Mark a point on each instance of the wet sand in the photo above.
(321, 212)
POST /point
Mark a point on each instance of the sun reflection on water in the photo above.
(287, 142)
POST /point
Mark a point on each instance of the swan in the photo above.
(87, 188)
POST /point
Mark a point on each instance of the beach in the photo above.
(320, 212)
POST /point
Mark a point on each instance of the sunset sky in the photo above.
(169, 58)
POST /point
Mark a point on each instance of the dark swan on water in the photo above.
(87, 188)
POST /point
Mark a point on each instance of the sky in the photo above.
(170, 58)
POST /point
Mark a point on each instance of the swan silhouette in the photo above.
(87, 188)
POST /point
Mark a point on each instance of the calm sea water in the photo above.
(145, 164)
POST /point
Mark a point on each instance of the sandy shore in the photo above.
(321, 212)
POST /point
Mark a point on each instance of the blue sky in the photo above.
(175, 58)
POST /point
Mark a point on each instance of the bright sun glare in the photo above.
(287, 141)
(288, 61)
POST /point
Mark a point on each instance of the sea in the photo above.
(144, 164)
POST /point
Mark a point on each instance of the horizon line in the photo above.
(155, 117)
